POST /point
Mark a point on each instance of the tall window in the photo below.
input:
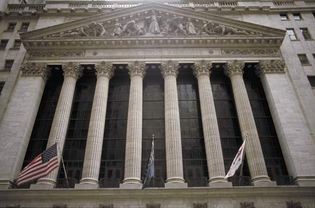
(311, 79)
(24, 27)
(17, 44)
(306, 34)
(114, 143)
(3, 44)
(194, 156)
(153, 123)
(303, 59)
(229, 129)
(291, 34)
(74, 148)
(45, 115)
(11, 27)
(8, 64)
(267, 134)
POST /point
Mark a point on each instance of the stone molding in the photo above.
(105, 69)
(72, 70)
(35, 70)
(272, 66)
(235, 67)
(169, 68)
(137, 69)
(202, 68)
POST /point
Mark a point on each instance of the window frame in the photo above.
(293, 34)
(15, 46)
(284, 17)
(306, 33)
(303, 59)
(2, 41)
(22, 29)
(6, 64)
(297, 16)
(9, 29)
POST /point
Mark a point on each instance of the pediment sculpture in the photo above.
(151, 23)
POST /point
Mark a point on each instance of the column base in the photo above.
(219, 181)
(87, 183)
(44, 183)
(175, 182)
(305, 180)
(5, 184)
(131, 183)
(263, 181)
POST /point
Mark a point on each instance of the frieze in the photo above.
(53, 53)
(151, 23)
(252, 52)
(35, 70)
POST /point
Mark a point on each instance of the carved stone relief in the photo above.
(151, 23)
(255, 51)
(35, 70)
(63, 53)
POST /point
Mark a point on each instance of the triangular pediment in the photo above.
(151, 21)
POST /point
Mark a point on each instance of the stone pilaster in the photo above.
(254, 155)
(211, 133)
(18, 120)
(132, 177)
(93, 150)
(173, 143)
(59, 126)
(289, 122)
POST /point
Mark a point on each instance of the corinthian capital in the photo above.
(72, 70)
(104, 69)
(234, 67)
(136, 69)
(202, 68)
(35, 70)
(272, 66)
(169, 68)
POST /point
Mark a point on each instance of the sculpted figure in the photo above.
(176, 26)
(154, 27)
(117, 29)
(190, 27)
(94, 29)
(131, 28)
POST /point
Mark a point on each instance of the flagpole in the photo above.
(63, 164)
(153, 160)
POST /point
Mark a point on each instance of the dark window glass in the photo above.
(113, 152)
(45, 115)
(74, 148)
(311, 79)
(17, 44)
(153, 123)
(194, 156)
(229, 129)
(306, 34)
(291, 34)
(8, 65)
(303, 59)
(3, 44)
(24, 27)
(297, 16)
(268, 137)
(1, 86)
(11, 26)
(284, 17)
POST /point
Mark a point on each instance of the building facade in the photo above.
(102, 78)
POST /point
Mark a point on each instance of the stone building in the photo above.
(102, 78)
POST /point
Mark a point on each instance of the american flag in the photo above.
(41, 166)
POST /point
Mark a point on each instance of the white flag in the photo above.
(237, 161)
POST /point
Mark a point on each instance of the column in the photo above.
(173, 142)
(289, 122)
(254, 155)
(133, 151)
(93, 150)
(18, 120)
(59, 126)
(211, 133)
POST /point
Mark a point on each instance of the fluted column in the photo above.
(59, 126)
(133, 151)
(211, 133)
(93, 150)
(173, 142)
(254, 154)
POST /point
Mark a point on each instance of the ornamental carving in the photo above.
(202, 68)
(254, 52)
(272, 66)
(72, 70)
(35, 70)
(51, 54)
(136, 69)
(234, 67)
(169, 68)
(151, 23)
(104, 69)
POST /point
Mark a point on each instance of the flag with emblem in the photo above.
(238, 160)
(41, 166)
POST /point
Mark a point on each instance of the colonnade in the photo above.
(173, 145)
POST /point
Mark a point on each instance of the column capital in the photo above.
(271, 66)
(202, 68)
(72, 70)
(104, 69)
(136, 69)
(234, 67)
(169, 68)
(35, 70)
